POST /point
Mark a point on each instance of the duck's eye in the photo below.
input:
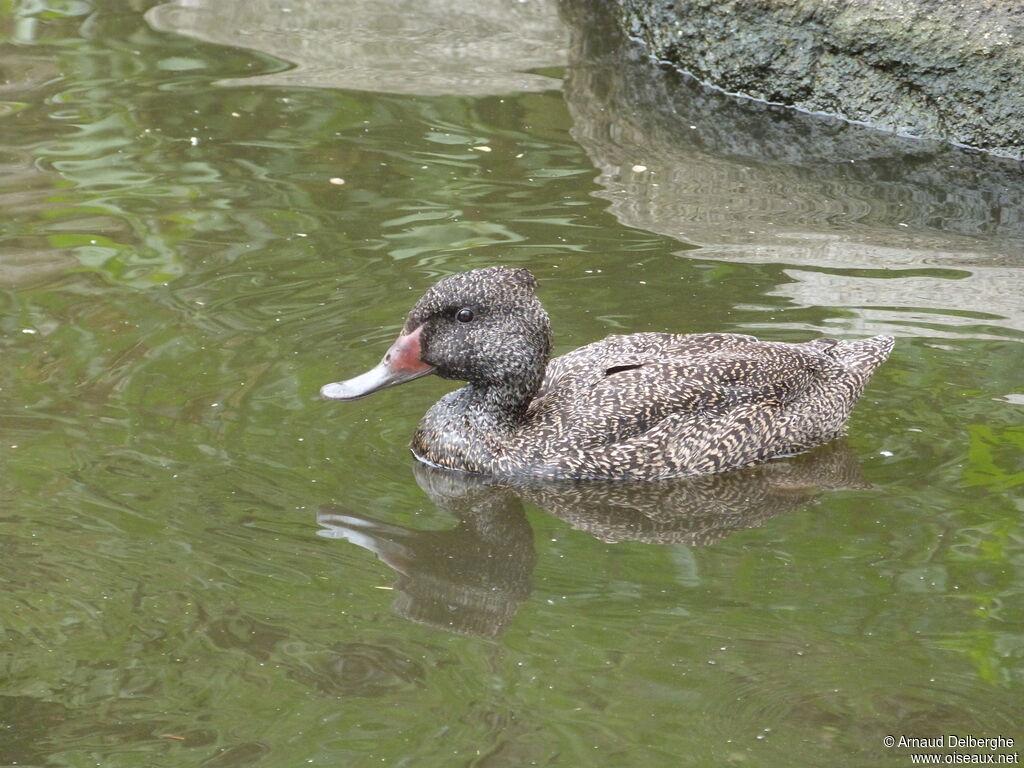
(464, 315)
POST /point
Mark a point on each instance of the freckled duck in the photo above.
(643, 406)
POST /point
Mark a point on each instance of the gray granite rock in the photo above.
(931, 68)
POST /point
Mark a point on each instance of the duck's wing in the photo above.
(602, 397)
(617, 353)
(626, 408)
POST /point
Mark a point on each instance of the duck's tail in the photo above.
(863, 356)
(838, 389)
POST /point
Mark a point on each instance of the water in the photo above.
(204, 564)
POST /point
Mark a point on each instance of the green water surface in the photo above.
(203, 564)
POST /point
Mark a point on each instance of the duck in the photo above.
(642, 406)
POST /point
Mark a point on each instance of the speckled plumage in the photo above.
(643, 406)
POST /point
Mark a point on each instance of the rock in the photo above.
(927, 68)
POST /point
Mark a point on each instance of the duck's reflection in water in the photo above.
(472, 578)
(468, 579)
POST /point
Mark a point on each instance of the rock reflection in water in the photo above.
(426, 48)
(472, 578)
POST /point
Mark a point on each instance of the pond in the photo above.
(212, 207)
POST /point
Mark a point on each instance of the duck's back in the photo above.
(653, 405)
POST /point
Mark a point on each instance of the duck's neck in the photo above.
(501, 399)
(499, 407)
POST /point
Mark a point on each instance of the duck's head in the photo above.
(486, 327)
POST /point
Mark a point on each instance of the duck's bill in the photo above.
(402, 363)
